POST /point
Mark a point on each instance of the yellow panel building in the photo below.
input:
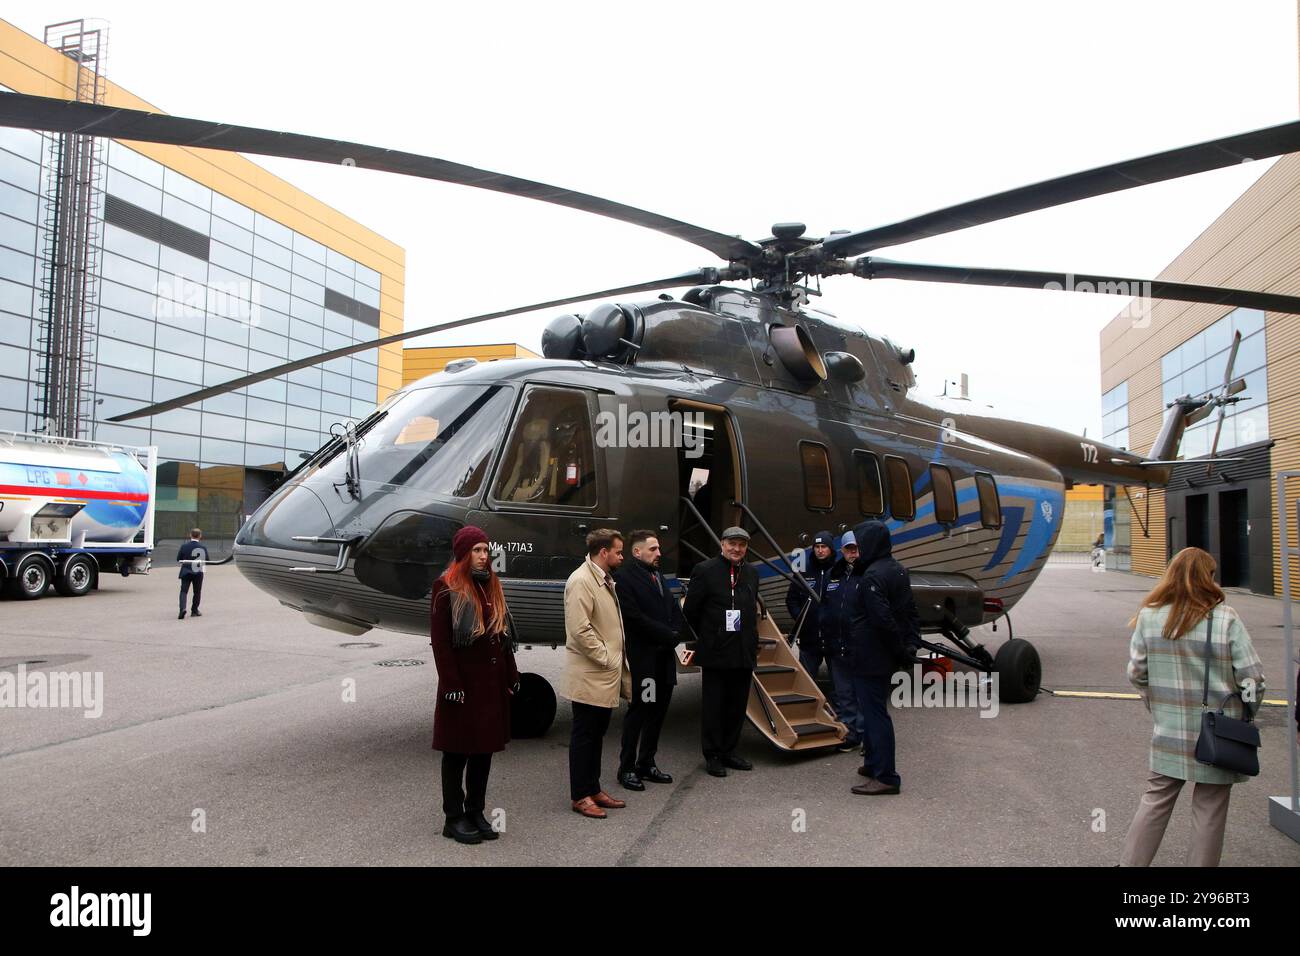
(419, 362)
(1182, 348)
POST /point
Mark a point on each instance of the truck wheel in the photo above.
(78, 577)
(30, 582)
(1019, 672)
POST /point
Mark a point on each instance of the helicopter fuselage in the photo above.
(539, 452)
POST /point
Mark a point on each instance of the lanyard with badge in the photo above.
(733, 615)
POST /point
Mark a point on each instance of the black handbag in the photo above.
(1226, 742)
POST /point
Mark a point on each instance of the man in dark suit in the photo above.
(722, 608)
(653, 625)
(191, 556)
(884, 630)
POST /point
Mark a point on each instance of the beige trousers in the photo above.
(1209, 815)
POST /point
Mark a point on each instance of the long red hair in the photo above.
(1188, 587)
(462, 587)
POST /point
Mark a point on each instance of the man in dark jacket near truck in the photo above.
(652, 625)
(190, 557)
(884, 629)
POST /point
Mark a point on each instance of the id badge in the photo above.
(733, 621)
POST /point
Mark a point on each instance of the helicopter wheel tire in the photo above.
(78, 577)
(532, 710)
(1020, 672)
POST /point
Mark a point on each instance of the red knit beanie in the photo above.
(465, 539)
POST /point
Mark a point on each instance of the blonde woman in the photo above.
(1167, 664)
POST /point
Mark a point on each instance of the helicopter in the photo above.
(778, 418)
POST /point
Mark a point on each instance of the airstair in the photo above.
(785, 704)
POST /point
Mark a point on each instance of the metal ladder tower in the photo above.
(72, 234)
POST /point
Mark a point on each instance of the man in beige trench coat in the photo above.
(595, 667)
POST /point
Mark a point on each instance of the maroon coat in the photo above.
(485, 671)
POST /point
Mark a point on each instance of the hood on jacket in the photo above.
(873, 541)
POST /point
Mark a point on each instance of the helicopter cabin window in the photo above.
(901, 503)
(871, 497)
(817, 492)
(438, 440)
(550, 459)
(990, 506)
(945, 494)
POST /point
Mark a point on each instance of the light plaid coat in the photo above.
(1171, 675)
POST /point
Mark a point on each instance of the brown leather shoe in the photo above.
(609, 803)
(587, 807)
(874, 788)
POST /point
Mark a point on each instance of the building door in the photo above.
(1234, 539)
(1197, 525)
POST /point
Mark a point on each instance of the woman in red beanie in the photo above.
(476, 677)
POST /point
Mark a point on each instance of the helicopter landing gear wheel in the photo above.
(1019, 672)
(532, 710)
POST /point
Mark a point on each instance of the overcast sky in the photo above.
(738, 115)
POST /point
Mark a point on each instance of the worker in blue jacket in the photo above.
(838, 603)
(819, 561)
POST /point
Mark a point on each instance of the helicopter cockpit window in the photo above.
(817, 491)
(990, 506)
(945, 494)
(901, 503)
(437, 440)
(871, 499)
(550, 459)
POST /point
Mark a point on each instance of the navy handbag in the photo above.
(1226, 742)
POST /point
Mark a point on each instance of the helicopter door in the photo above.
(709, 474)
(549, 489)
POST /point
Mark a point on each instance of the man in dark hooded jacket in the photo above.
(884, 628)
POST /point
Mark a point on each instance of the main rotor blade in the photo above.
(688, 278)
(1158, 167)
(63, 116)
(871, 267)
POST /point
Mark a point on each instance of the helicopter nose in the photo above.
(294, 512)
(271, 553)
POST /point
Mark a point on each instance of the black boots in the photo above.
(462, 829)
(469, 828)
(481, 823)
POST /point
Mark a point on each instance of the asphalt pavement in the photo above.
(248, 736)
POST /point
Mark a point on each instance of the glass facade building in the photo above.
(1198, 365)
(195, 289)
(1114, 416)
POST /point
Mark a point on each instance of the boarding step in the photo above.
(812, 730)
(785, 704)
(786, 700)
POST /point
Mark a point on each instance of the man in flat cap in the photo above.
(722, 608)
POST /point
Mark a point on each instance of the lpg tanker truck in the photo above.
(71, 510)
